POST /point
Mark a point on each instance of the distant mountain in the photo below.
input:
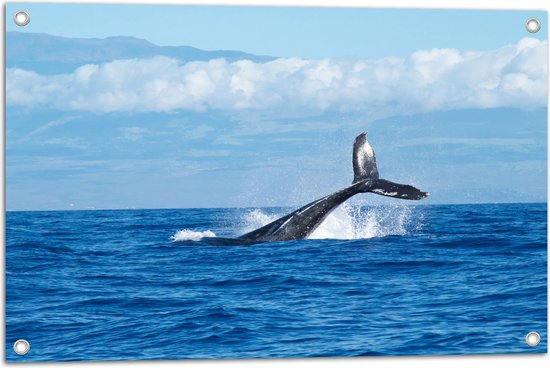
(49, 54)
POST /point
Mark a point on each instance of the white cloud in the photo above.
(438, 79)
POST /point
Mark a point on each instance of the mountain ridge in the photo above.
(40, 52)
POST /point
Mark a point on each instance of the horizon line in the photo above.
(262, 207)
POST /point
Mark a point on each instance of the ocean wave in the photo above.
(186, 234)
(214, 297)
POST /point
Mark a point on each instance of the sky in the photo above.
(458, 113)
(285, 31)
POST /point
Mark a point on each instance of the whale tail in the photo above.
(303, 221)
(366, 177)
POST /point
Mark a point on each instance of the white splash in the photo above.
(186, 234)
(255, 219)
(357, 222)
(348, 222)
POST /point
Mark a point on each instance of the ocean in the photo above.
(380, 280)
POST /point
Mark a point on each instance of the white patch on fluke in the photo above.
(186, 234)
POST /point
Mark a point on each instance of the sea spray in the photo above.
(359, 222)
(349, 222)
(256, 218)
(187, 234)
(250, 220)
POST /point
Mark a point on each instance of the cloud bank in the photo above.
(438, 79)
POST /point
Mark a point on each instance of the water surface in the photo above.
(150, 284)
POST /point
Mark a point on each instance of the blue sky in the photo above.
(284, 31)
(458, 113)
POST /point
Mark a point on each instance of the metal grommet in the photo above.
(532, 25)
(21, 347)
(21, 18)
(532, 338)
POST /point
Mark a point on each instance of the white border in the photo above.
(504, 361)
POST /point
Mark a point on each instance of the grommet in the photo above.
(21, 347)
(21, 18)
(532, 25)
(532, 338)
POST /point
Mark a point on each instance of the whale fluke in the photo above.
(390, 189)
(364, 159)
(302, 222)
(366, 171)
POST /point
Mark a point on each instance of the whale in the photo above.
(303, 221)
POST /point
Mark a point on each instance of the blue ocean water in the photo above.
(147, 284)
